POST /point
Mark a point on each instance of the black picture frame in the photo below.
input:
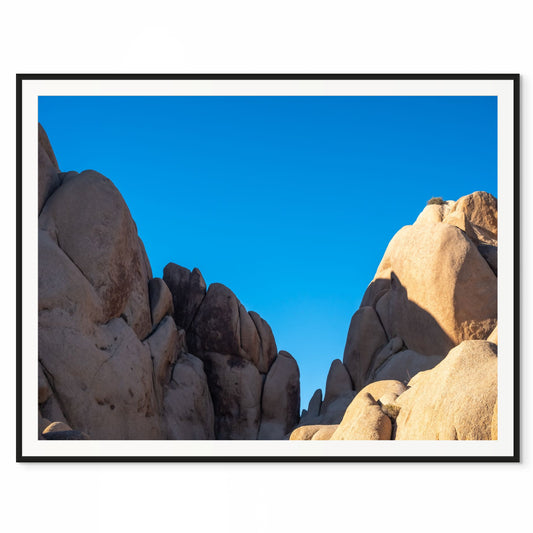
(514, 79)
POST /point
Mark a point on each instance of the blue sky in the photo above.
(289, 201)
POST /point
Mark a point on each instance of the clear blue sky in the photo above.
(289, 201)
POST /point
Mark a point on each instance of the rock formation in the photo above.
(124, 355)
(428, 320)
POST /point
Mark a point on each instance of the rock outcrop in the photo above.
(455, 400)
(428, 319)
(435, 287)
(124, 355)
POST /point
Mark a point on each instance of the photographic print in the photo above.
(268, 267)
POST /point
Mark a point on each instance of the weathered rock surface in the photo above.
(235, 386)
(113, 356)
(268, 349)
(305, 432)
(90, 222)
(365, 337)
(188, 408)
(338, 382)
(160, 300)
(364, 420)
(493, 337)
(453, 401)
(442, 290)
(188, 290)
(280, 403)
(405, 364)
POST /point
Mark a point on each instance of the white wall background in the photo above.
(245, 36)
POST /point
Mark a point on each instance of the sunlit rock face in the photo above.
(124, 355)
(435, 287)
(434, 290)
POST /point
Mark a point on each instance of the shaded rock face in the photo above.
(280, 402)
(123, 355)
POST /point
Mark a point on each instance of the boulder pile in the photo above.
(124, 355)
(427, 323)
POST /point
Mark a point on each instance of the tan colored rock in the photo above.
(442, 290)
(364, 420)
(494, 423)
(453, 401)
(459, 220)
(365, 338)
(235, 386)
(188, 290)
(61, 431)
(188, 408)
(63, 289)
(49, 179)
(160, 300)
(378, 389)
(92, 225)
(493, 337)
(57, 426)
(103, 380)
(305, 432)
(404, 365)
(280, 405)
(481, 210)
(432, 214)
(393, 346)
(388, 398)
(325, 432)
(338, 382)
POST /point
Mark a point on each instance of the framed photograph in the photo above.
(268, 267)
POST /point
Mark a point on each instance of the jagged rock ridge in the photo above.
(124, 355)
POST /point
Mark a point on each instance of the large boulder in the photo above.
(188, 290)
(103, 380)
(235, 386)
(160, 300)
(89, 220)
(455, 400)
(188, 409)
(338, 382)
(364, 420)
(280, 404)
(222, 325)
(481, 210)
(403, 365)
(442, 290)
